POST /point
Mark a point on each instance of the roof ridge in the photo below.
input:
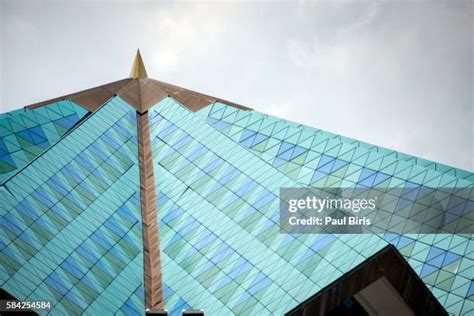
(107, 89)
(151, 245)
(142, 93)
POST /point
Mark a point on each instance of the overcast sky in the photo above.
(397, 74)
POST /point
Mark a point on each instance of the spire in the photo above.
(138, 68)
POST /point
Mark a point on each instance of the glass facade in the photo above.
(71, 223)
(221, 249)
(316, 158)
(25, 134)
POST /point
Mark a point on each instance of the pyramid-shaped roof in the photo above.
(140, 194)
(138, 91)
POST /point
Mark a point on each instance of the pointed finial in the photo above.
(138, 68)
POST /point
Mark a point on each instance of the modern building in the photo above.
(139, 195)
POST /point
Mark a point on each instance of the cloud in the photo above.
(21, 27)
(400, 76)
(397, 74)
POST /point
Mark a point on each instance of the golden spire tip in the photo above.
(138, 68)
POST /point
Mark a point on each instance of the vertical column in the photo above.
(151, 247)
